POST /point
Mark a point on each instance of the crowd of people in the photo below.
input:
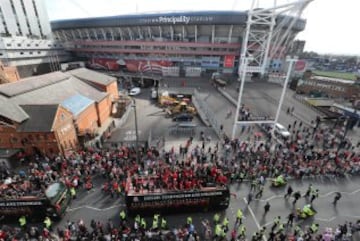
(308, 152)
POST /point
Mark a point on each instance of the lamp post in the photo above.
(136, 130)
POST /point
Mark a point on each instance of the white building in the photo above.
(26, 38)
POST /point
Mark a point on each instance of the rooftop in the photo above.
(92, 76)
(50, 89)
(41, 118)
(76, 104)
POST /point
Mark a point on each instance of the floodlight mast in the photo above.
(263, 40)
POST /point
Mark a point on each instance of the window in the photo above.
(28, 45)
(37, 45)
(14, 139)
(9, 45)
(21, 53)
(19, 45)
(38, 137)
(39, 52)
(30, 137)
(30, 52)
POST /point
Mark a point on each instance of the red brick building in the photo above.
(8, 74)
(332, 88)
(46, 114)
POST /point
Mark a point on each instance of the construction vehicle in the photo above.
(182, 107)
(165, 100)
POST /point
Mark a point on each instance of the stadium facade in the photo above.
(171, 44)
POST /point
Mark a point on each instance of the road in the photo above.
(262, 98)
(99, 206)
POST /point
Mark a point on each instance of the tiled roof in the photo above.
(41, 118)
(92, 76)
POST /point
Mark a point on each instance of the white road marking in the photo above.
(94, 208)
(254, 217)
(325, 219)
(321, 195)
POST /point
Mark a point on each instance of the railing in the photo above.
(209, 115)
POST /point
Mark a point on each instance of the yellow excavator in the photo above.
(166, 100)
(182, 107)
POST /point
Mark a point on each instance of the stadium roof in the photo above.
(175, 18)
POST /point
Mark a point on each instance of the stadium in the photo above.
(170, 44)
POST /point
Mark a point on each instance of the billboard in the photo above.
(300, 65)
(229, 61)
(138, 66)
(210, 62)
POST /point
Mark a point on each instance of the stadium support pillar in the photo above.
(230, 33)
(88, 34)
(121, 34)
(196, 32)
(213, 34)
(160, 31)
(291, 63)
(244, 65)
(149, 32)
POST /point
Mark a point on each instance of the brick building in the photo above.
(47, 114)
(8, 74)
(329, 87)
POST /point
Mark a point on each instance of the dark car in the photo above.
(183, 117)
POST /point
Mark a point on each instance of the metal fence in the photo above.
(209, 114)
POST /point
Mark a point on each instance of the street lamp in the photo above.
(136, 130)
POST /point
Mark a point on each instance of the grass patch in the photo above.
(339, 75)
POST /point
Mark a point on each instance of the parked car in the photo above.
(281, 131)
(135, 91)
(183, 117)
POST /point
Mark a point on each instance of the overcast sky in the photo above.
(331, 24)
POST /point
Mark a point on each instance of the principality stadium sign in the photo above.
(174, 20)
(182, 19)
